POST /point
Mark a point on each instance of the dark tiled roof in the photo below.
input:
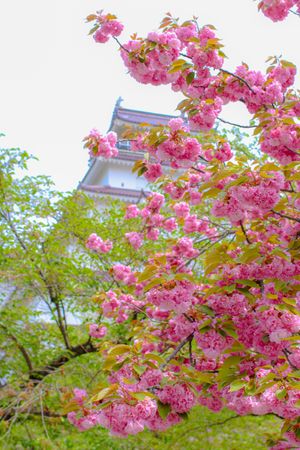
(117, 191)
(129, 155)
(136, 117)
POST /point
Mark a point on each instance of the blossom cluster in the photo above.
(191, 60)
(99, 145)
(213, 316)
(106, 25)
(95, 242)
(277, 10)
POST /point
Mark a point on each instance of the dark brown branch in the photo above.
(192, 361)
(295, 219)
(120, 45)
(261, 285)
(60, 323)
(20, 347)
(189, 338)
(244, 232)
(293, 151)
(294, 12)
(12, 412)
(190, 319)
(197, 170)
(228, 73)
(238, 78)
(235, 124)
(38, 375)
(287, 355)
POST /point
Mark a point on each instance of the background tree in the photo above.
(48, 275)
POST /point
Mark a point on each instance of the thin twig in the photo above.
(285, 216)
(294, 12)
(177, 350)
(293, 151)
(197, 170)
(236, 124)
(192, 361)
(244, 232)
(286, 354)
(122, 46)
(42, 415)
(20, 347)
(238, 78)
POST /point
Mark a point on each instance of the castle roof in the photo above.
(115, 191)
(121, 119)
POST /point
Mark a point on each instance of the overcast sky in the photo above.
(57, 84)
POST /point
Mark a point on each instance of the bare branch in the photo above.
(244, 232)
(238, 78)
(287, 355)
(20, 347)
(235, 124)
(285, 216)
(294, 12)
(120, 45)
(177, 350)
(38, 375)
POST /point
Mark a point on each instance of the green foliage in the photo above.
(204, 430)
(48, 277)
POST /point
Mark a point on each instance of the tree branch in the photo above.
(244, 232)
(238, 78)
(294, 12)
(236, 124)
(20, 347)
(61, 324)
(9, 414)
(120, 45)
(295, 219)
(287, 355)
(38, 375)
(177, 350)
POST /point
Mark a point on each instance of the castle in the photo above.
(113, 177)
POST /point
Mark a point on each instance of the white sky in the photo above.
(56, 83)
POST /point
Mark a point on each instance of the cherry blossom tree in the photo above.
(213, 317)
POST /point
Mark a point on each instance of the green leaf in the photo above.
(184, 415)
(232, 361)
(237, 385)
(105, 393)
(119, 350)
(141, 395)
(155, 282)
(147, 273)
(190, 78)
(281, 394)
(163, 409)
(230, 331)
(184, 276)
(207, 310)
(247, 283)
(155, 357)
